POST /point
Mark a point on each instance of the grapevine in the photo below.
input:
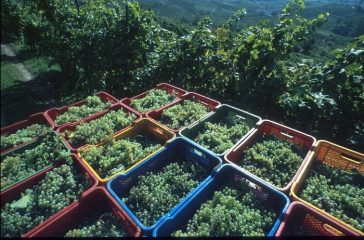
(106, 225)
(92, 105)
(23, 135)
(222, 135)
(99, 129)
(156, 98)
(232, 211)
(272, 159)
(17, 166)
(183, 114)
(118, 155)
(58, 189)
(157, 193)
(337, 192)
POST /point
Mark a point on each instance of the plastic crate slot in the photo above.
(351, 159)
(241, 117)
(158, 130)
(332, 230)
(287, 135)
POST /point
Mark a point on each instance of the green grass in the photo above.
(9, 75)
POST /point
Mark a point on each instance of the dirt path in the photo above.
(8, 51)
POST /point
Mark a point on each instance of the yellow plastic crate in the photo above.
(334, 156)
(140, 127)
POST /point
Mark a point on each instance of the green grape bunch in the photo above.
(223, 134)
(154, 99)
(92, 105)
(18, 166)
(99, 129)
(337, 192)
(272, 159)
(24, 135)
(158, 192)
(184, 114)
(104, 225)
(59, 188)
(233, 210)
(118, 155)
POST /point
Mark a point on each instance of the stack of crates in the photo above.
(105, 193)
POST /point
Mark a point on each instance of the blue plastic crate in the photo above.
(224, 175)
(120, 186)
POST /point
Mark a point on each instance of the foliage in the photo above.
(92, 105)
(23, 135)
(233, 210)
(319, 96)
(337, 192)
(118, 155)
(183, 114)
(222, 135)
(154, 99)
(17, 166)
(56, 190)
(123, 49)
(272, 159)
(10, 19)
(106, 225)
(99, 129)
(158, 192)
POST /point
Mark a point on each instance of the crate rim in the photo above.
(221, 155)
(36, 141)
(186, 96)
(250, 178)
(127, 101)
(296, 204)
(103, 181)
(255, 133)
(297, 183)
(55, 126)
(149, 229)
(29, 120)
(114, 107)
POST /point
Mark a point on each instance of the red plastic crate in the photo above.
(283, 132)
(39, 118)
(53, 113)
(72, 126)
(299, 214)
(98, 200)
(208, 102)
(14, 192)
(164, 86)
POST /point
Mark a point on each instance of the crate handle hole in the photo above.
(157, 130)
(332, 230)
(350, 159)
(197, 152)
(241, 117)
(286, 135)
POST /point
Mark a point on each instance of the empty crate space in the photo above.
(163, 182)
